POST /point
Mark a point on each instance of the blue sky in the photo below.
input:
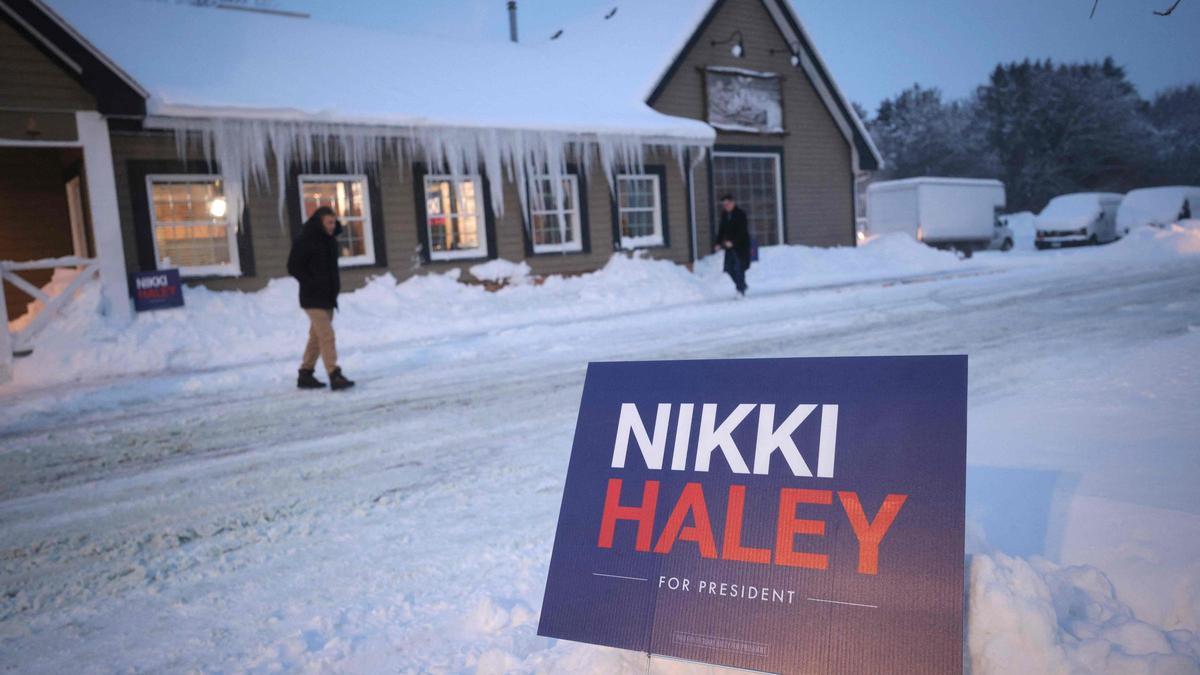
(875, 48)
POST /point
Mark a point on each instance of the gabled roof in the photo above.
(644, 43)
(115, 91)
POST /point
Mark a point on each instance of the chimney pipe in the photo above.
(512, 20)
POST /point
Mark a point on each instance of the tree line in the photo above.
(1044, 129)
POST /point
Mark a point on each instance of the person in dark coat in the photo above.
(734, 237)
(313, 261)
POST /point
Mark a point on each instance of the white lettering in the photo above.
(631, 421)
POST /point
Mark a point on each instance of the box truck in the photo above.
(951, 213)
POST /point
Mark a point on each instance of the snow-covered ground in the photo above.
(168, 501)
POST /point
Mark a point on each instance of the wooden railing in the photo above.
(20, 343)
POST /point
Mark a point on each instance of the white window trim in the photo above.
(576, 244)
(231, 269)
(776, 157)
(648, 241)
(461, 254)
(367, 258)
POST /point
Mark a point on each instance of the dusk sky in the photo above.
(875, 48)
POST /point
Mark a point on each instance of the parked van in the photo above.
(1158, 206)
(1077, 219)
(951, 213)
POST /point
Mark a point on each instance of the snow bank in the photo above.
(1024, 229)
(225, 328)
(1024, 616)
(1179, 239)
(59, 280)
(500, 270)
(1033, 616)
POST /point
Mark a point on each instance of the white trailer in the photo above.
(953, 213)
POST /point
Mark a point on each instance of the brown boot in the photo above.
(308, 381)
(338, 381)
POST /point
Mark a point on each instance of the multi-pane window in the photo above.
(639, 211)
(554, 214)
(454, 217)
(190, 219)
(350, 200)
(754, 181)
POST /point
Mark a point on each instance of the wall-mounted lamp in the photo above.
(793, 50)
(739, 47)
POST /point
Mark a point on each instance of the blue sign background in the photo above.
(165, 291)
(901, 429)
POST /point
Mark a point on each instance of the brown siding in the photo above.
(817, 169)
(271, 239)
(31, 80)
(36, 223)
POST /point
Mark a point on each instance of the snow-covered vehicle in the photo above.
(950, 213)
(1157, 206)
(1078, 218)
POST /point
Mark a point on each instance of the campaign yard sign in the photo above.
(160, 289)
(778, 515)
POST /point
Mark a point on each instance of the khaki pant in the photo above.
(321, 340)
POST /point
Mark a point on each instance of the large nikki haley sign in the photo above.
(779, 515)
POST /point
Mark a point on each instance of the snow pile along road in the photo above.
(225, 328)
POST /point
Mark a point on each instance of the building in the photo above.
(152, 135)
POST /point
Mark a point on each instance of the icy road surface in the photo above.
(223, 521)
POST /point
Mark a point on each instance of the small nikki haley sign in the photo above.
(779, 515)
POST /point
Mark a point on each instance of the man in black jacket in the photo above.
(734, 236)
(314, 263)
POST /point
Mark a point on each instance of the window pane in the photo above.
(345, 197)
(546, 230)
(352, 240)
(544, 199)
(452, 217)
(193, 246)
(637, 224)
(467, 234)
(181, 202)
(636, 193)
(466, 198)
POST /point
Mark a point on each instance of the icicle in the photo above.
(243, 149)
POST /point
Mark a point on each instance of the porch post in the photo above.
(106, 219)
(6, 355)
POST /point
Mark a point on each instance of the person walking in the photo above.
(734, 237)
(313, 261)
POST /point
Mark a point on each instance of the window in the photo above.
(454, 217)
(349, 198)
(190, 221)
(754, 179)
(639, 210)
(556, 225)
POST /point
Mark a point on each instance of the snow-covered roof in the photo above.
(1078, 208)
(933, 180)
(201, 62)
